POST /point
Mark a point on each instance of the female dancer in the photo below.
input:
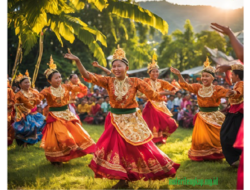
(156, 114)
(125, 150)
(234, 117)
(74, 80)
(28, 122)
(206, 134)
(63, 137)
(11, 102)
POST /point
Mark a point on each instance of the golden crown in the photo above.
(119, 54)
(237, 66)
(20, 76)
(208, 68)
(52, 67)
(153, 64)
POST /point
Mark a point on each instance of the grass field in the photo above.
(29, 169)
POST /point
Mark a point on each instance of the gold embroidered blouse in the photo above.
(122, 93)
(239, 90)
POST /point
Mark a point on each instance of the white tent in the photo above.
(193, 71)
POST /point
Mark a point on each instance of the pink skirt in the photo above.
(161, 124)
(114, 158)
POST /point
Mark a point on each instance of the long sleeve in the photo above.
(193, 88)
(166, 85)
(99, 80)
(11, 98)
(221, 92)
(146, 89)
(239, 89)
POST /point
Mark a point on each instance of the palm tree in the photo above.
(30, 18)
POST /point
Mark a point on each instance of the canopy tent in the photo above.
(142, 72)
(193, 71)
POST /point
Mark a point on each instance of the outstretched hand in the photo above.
(70, 56)
(222, 29)
(223, 68)
(230, 93)
(175, 71)
(95, 63)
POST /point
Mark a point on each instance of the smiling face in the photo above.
(154, 74)
(74, 79)
(206, 79)
(56, 80)
(25, 84)
(119, 69)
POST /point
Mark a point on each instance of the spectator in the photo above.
(83, 109)
(188, 117)
(170, 103)
(105, 105)
(97, 93)
(93, 112)
(185, 101)
(177, 103)
(215, 82)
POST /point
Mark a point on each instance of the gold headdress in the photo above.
(153, 64)
(52, 67)
(119, 54)
(237, 66)
(208, 68)
(21, 76)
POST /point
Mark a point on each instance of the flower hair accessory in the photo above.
(119, 54)
(20, 76)
(153, 64)
(52, 67)
(207, 68)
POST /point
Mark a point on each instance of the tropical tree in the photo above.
(31, 17)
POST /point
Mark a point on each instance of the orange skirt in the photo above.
(205, 141)
(11, 131)
(64, 140)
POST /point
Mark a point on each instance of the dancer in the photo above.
(125, 150)
(11, 102)
(156, 114)
(63, 137)
(206, 134)
(234, 117)
(28, 122)
(74, 80)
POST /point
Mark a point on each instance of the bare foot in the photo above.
(121, 185)
(25, 145)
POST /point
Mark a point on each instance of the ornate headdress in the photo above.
(52, 67)
(20, 76)
(207, 68)
(153, 64)
(119, 54)
(238, 66)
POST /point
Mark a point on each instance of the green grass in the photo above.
(29, 169)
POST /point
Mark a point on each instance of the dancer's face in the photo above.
(154, 74)
(235, 77)
(119, 69)
(25, 84)
(74, 79)
(56, 80)
(206, 79)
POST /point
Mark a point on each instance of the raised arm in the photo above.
(79, 65)
(95, 64)
(237, 46)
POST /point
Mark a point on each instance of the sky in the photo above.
(224, 4)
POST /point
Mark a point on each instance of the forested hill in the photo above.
(200, 16)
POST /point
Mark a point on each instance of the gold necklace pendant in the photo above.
(206, 92)
(58, 92)
(121, 88)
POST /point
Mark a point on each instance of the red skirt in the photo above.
(239, 143)
(161, 124)
(114, 158)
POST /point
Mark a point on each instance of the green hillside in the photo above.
(200, 16)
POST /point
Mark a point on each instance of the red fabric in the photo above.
(129, 157)
(239, 143)
(73, 154)
(228, 77)
(194, 119)
(94, 110)
(161, 121)
(208, 157)
(236, 108)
